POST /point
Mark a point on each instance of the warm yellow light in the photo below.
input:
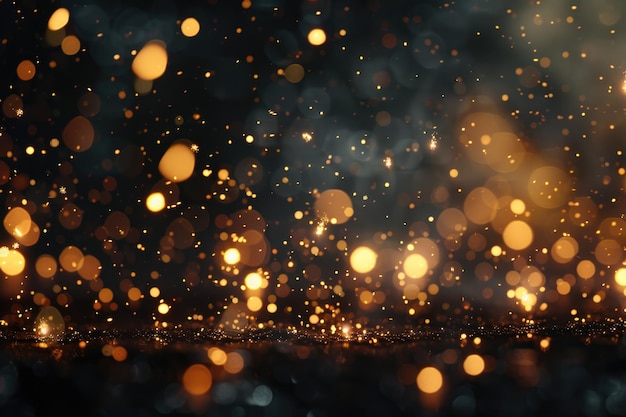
(163, 308)
(197, 379)
(59, 19)
(429, 380)
(415, 265)
(253, 281)
(190, 27)
(232, 256)
(474, 365)
(363, 259)
(254, 303)
(620, 277)
(316, 37)
(151, 61)
(155, 202)
(517, 235)
(177, 163)
(217, 356)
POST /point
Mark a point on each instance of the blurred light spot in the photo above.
(190, 27)
(429, 380)
(155, 202)
(517, 235)
(26, 70)
(474, 365)
(363, 259)
(59, 18)
(49, 324)
(197, 379)
(232, 256)
(177, 163)
(151, 61)
(316, 37)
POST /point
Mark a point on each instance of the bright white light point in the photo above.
(433, 144)
(620, 277)
(363, 259)
(253, 281)
(316, 37)
(163, 308)
(518, 206)
(232, 256)
(155, 202)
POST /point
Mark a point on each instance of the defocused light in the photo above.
(190, 27)
(363, 259)
(155, 202)
(151, 61)
(474, 365)
(177, 163)
(197, 379)
(429, 380)
(59, 19)
(316, 37)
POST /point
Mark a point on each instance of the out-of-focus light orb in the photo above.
(549, 187)
(334, 205)
(363, 259)
(585, 269)
(197, 379)
(105, 295)
(163, 308)
(155, 202)
(78, 134)
(59, 19)
(26, 70)
(46, 266)
(17, 222)
(294, 73)
(254, 303)
(217, 356)
(564, 249)
(517, 235)
(151, 61)
(316, 37)
(518, 206)
(253, 281)
(49, 324)
(474, 365)
(190, 27)
(481, 205)
(90, 268)
(232, 256)
(234, 363)
(177, 163)
(415, 266)
(429, 380)
(71, 258)
(70, 45)
(620, 277)
(12, 262)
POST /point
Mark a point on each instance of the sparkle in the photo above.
(63, 189)
(321, 226)
(388, 162)
(195, 148)
(432, 145)
(307, 137)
